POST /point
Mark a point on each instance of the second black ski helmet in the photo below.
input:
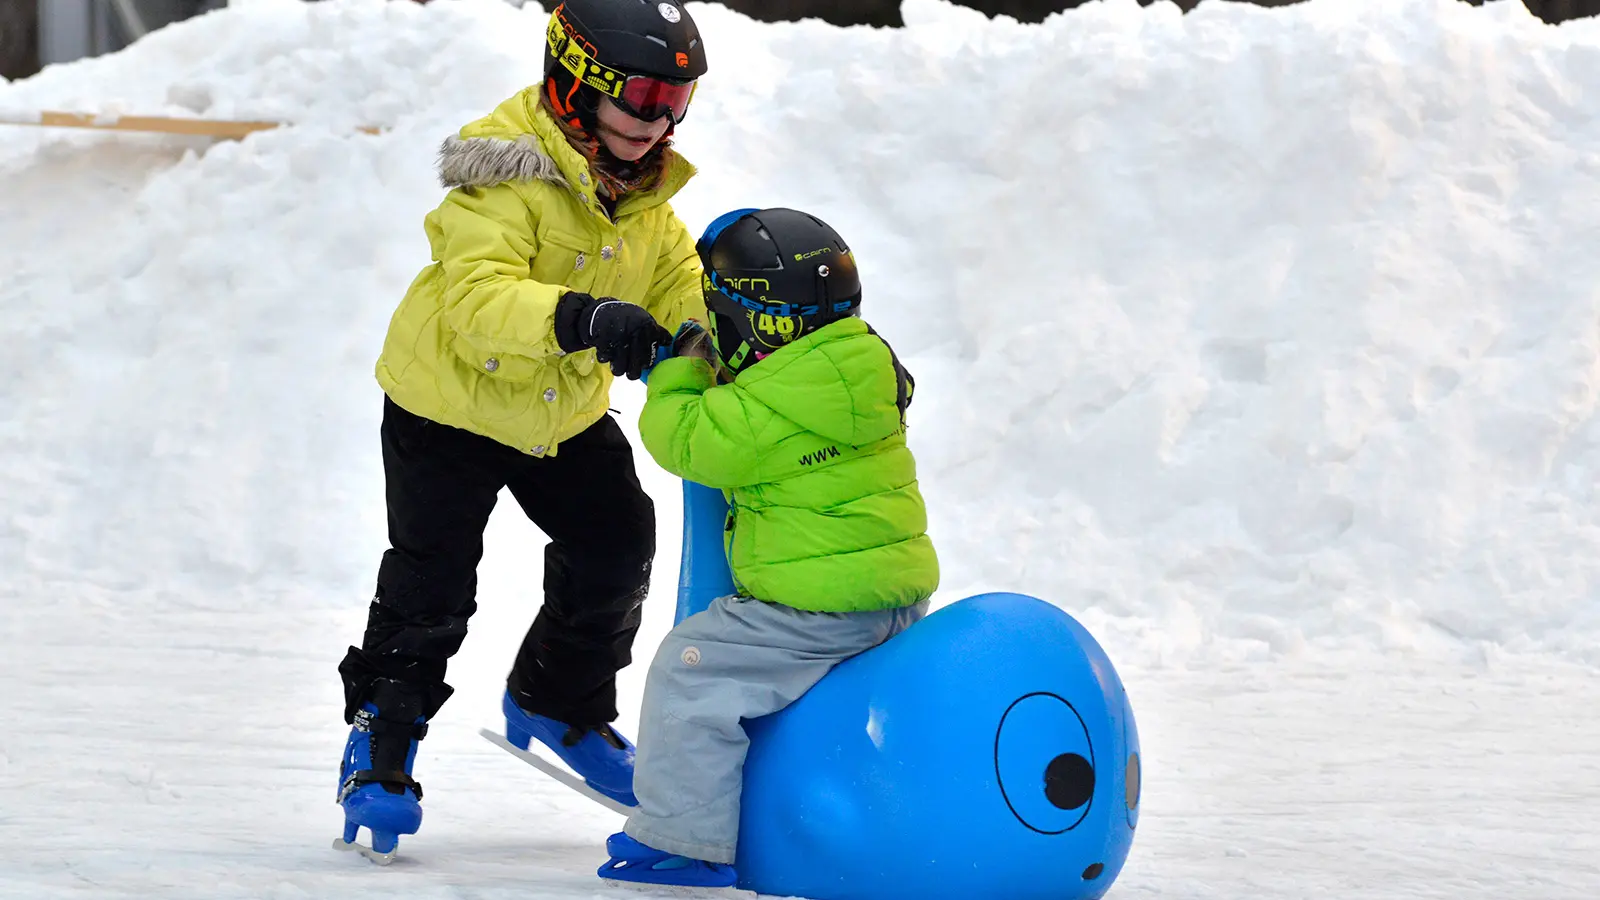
(771, 277)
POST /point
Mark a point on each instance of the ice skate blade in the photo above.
(556, 772)
(618, 887)
(381, 859)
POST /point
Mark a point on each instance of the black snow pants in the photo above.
(441, 484)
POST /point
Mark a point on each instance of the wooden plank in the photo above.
(163, 124)
(215, 128)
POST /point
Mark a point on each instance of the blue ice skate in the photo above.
(375, 784)
(601, 757)
(636, 862)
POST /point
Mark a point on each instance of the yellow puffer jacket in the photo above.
(473, 344)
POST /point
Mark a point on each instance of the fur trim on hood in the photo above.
(485, 162)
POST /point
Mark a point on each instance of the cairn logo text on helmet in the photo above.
(670, 13)
(749, 284)
(802, 257)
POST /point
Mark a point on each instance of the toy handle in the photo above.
(703, 574)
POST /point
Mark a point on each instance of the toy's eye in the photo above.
(1045, 763)
(1133, 776)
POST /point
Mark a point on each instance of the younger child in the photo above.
(827, 530)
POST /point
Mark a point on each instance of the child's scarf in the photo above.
(616, 177)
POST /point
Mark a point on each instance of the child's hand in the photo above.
(691, 340)
(622, 334)
(694, 341)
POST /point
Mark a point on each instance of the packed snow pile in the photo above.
(1267, 342)
(1236, 332)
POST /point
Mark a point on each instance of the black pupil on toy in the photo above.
(1069, 781)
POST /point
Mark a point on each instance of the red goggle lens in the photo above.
(649, 98)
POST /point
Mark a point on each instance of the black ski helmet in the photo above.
(645, 51)
(771, 277)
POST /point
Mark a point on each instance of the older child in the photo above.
(558, 264)
(827, 534)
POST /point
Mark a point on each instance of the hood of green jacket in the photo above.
(838, 381)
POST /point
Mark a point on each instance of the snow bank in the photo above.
(1236, 332)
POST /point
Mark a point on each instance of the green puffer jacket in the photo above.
(810, 449)
(472, 344)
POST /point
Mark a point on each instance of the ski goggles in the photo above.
(641, 96)
(648, 99)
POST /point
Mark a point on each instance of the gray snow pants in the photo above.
(739, 659)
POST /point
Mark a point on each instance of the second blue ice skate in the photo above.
(602, 757)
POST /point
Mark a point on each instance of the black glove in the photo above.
(622, 334)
